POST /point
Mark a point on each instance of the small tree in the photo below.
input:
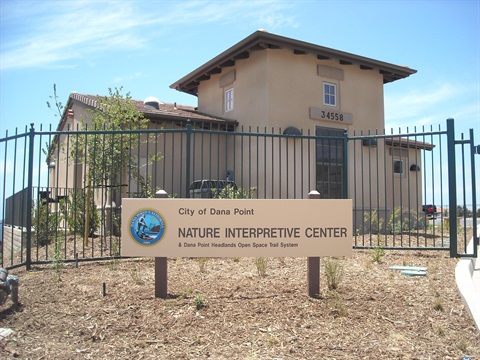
(74, 210)
(58, 105)
(108, 151)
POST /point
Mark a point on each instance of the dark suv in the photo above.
(208, 188)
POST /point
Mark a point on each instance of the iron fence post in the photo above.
(345, 165)
(452, 187)
(31, 137)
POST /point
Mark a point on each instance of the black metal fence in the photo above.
(62, 191)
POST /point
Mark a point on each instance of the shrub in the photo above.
(74, 209)
(45, 223)
(202, 264)
(377, 254)
(401, 221)
(337, 305)
(334, 272)
(200, 302)
(374, 221)
(230, 192)
(261, 264)
(437, 304)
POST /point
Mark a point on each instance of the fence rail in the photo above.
(62, 191)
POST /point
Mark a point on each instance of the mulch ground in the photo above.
(225, 309)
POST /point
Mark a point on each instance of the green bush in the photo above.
(45, 223)
(229, 192)
(374, 221)
(334, 271)
(200, 302)
(74, 209)
(403, 220)
(377, 254)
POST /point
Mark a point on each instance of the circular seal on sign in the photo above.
(147, 227)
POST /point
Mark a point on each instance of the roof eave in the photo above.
(263, 40)
(183, 119)
(409, 144)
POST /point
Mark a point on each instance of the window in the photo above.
(229, 100)
(398, 167)
(329, 94)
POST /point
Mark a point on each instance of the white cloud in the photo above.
(69, 33)
(416, 102)
(432, 105)
(270, 13)
(53, 33)
(469, 115)
(128, 77)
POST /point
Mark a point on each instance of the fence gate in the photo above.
(465, 151)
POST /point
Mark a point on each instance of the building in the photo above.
(267, 83)
(67, 169)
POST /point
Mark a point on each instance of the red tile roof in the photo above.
(167, 112)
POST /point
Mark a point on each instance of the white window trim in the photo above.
(335, 87)
(228, 101)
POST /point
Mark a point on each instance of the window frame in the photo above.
(395, 167)
(228, 99)
(329, 85)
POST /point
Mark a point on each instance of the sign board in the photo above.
(236, 228)
(329, 114)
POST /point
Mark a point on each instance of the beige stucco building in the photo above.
(268, 81)
(269, 84)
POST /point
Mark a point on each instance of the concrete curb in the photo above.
(467, 277)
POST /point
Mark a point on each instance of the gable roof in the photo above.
(261, 40)
(166, 112)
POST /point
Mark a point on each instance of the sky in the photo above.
(145, 46)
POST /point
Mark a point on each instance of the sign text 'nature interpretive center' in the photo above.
(236, 228)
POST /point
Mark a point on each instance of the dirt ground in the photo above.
(226, 309)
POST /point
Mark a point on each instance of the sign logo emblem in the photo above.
(147, 227)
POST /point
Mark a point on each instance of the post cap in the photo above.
(161, 194)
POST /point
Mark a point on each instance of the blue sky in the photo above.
(144, 46)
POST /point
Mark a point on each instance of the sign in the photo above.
(236, 228)
(331, 115)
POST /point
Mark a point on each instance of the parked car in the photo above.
(208, 188)
(430, 210)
